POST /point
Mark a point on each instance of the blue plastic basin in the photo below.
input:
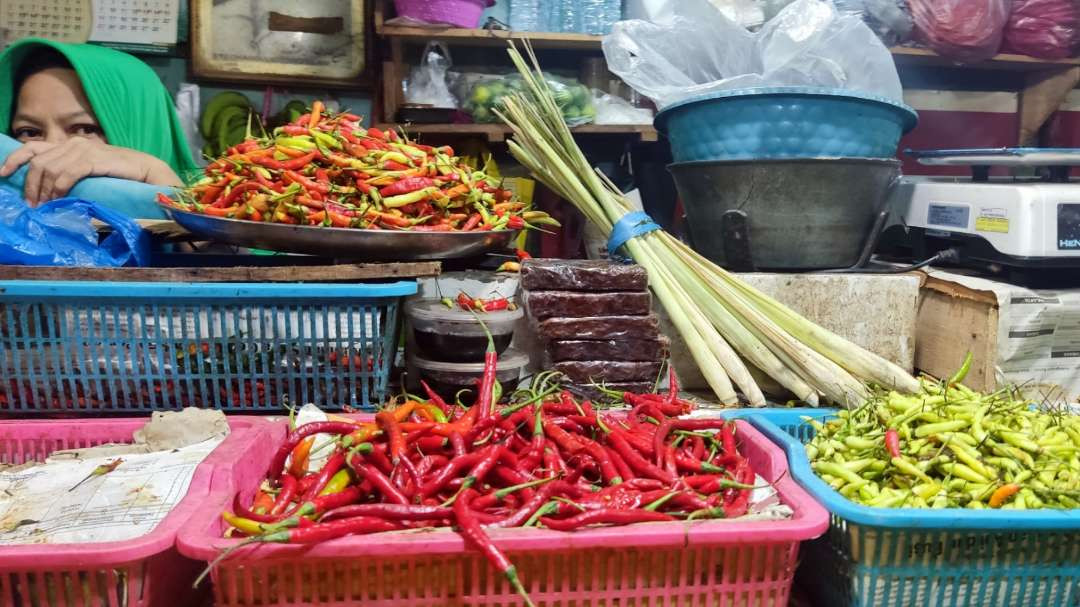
(784, 122)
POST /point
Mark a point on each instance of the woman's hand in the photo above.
(56, 168)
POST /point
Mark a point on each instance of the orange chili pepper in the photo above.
(364, 433)
(300, 455)
(316, 114)
(263, 502)
(1003, 493)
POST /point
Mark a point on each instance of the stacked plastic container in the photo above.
(447, 345)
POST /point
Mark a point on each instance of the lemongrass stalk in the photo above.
(728, 359)
(744, 341)
(825, 375)
(855, 359)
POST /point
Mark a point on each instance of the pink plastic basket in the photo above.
(146, 571)
(699, 563)
(459, 13)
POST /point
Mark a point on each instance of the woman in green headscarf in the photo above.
(82, 110)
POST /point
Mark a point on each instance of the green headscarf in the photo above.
(130, 102)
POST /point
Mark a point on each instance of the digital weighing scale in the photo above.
(1023, 227)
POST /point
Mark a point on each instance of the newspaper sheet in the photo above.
(60, 501)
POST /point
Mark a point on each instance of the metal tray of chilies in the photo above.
(342, 243)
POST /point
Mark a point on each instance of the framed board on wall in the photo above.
(280, 41)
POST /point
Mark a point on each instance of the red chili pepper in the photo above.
(291, 165)
(727, 438)
(522, 254)
(493, 305)
(307, 184)
(336, 428)
(515, 222)
(378, 480)
(471, 222)
(604, 516)
(235, 193)
(285, 497)
(321, 532)
(636, 462)
(407, 185)
(892, 442)
(474, 534)
(329, 469)
(394, 512)
(393, 165)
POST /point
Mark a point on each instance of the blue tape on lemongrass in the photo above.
(630, 226)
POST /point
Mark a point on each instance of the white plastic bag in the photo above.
(427, 82)
(611, 109)
(700, 51)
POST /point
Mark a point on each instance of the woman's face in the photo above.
(53, 107)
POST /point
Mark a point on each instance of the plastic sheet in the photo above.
(485, 93)
(1047, 29)
(699, 50)
(611, 109)
(964, 30)
(427, 82)
(59, 233)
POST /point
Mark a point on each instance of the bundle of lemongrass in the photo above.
(734, 331)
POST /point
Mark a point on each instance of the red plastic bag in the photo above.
(1048, 29)
(964, 30)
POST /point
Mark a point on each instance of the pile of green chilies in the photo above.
(950, 447)
(542, 458)
(327, 170)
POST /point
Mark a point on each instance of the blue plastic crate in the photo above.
(903, 557)
(98, 347)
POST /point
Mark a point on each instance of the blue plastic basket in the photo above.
(902, 557)
(104, 348)
(784, 122)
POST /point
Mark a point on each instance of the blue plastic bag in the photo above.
(59, 233)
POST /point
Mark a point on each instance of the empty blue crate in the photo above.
(98, 347)
(907, 557)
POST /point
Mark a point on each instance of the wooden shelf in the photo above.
(498, 132)
(483, 37)
(480, 37)
(905, 55)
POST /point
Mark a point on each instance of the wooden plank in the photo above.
(903, 55)
(1005, 61)
(327, 273)
(498, 132)
(953, 320)
(1043, 94)
(486, 37)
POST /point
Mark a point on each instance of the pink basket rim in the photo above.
(809, 521)
(213, 472)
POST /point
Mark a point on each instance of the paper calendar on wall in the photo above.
(148, 22)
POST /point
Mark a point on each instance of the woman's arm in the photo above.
(56, 168)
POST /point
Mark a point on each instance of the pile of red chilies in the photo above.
(545, 460)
